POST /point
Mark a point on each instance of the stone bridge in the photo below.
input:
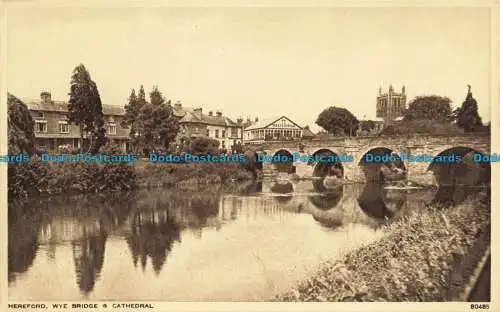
(357, 147)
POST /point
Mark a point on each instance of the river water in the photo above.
(248, 242)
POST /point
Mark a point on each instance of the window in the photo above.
(40, 115)
(234, 132)
(63, 127)
(40, 126)
(208, 132)
(112, 128)
(223, 144)
(216, 133)
(223, 133)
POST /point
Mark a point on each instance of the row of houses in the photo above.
(52, 129)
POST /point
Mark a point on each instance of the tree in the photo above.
(85, 108)
(132, 112)
(203, 146)
(432, 107)
(156, 123)
(367, 125)
(467, 116)
(20, 127)
(338, 121)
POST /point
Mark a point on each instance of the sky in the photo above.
(254, 61)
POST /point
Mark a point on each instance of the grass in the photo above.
(161, 175)
(414, 261)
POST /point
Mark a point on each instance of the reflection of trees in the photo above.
(88, 254)
(22, 245)
(161, 218)
(329, 198)
(377, 202)
(152, 235)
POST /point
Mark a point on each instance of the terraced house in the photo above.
(53, 131)
(193, 123)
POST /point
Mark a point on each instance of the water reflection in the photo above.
(152, 235)
(158, 226)
(380, 203)
(88, 256)
(285, 188)
(328, 198)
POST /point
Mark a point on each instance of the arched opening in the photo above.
(328, 198)
(375, 202)
(283, 161)
(382, 164)
(328, 164)
(460, 166)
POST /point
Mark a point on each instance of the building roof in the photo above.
(193, 117)
(266, 122)
(308, 133)
(180, 111)
(62, 106)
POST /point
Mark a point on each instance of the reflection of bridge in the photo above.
(357, 147)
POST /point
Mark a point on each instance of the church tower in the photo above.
(391, 105)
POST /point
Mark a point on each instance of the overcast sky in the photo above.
(252, 62)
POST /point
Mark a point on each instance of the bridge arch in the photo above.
(285, 164)
(327, 168)
(373, 170)
(466, 170)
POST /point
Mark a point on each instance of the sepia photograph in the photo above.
(252, 153)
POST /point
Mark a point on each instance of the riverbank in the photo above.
(423, 257)
(38, 179)
(169, 175)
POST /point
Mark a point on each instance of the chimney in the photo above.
(403, 89)
(219, 114)
(256, 119)
(45, 97)
(178, 105)
(210, 113)
(197, 112)
(239, 121)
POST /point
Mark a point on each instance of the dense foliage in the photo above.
(338, 121)
(152, 124)
(36, 178)
(20, 125)
(422, 126)
(467, 116)
(432, 107)
(85, 108)
(202, 146)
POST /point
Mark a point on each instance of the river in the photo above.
(244, 243)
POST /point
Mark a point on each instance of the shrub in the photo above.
(203, 146)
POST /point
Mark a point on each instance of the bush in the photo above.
(422, 127)
(35, 178)
(203, 146)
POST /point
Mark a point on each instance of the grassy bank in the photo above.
(168, 175)
(36, 178)
(423, 257)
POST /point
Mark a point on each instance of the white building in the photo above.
(272, 129)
